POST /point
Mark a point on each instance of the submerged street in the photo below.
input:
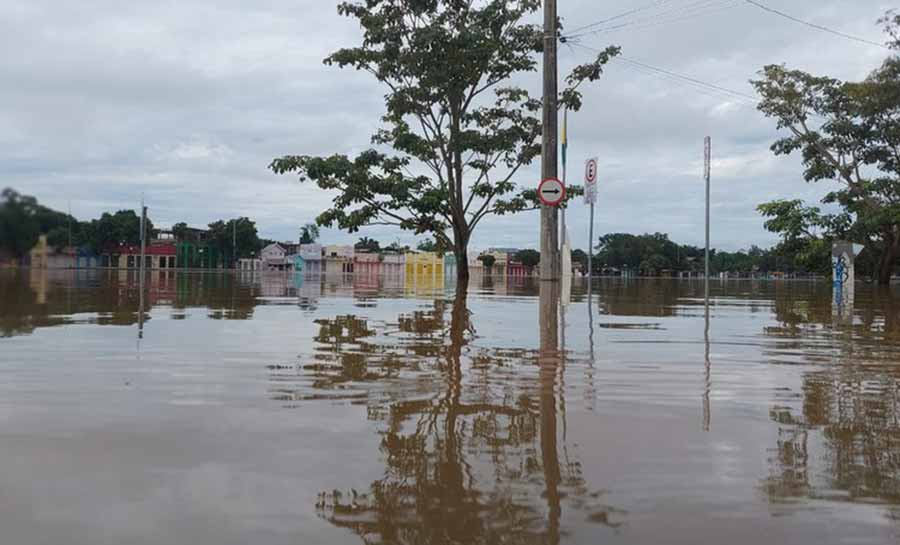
(273, 408)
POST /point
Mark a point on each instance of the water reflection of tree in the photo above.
(37, 299)
(843, 443)
(857, 411)
(466, 463)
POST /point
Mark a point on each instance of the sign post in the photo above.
(590, 197)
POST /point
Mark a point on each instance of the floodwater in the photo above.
(219, 409)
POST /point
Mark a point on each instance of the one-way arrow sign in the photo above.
(551, 192)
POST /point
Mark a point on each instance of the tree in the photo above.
(487, 261)
(222, 235)
(457, 150)
(847, 132)
(180, 231)
(581, 258)
(429, 245)
(123, 227)
(528, 258)
(368, 244)
(806, 234)
(309, 233)
(19, 228)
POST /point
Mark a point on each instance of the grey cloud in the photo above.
(187, 103)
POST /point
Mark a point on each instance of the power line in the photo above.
(621, 15)
(676, 13)
(680, 77)
(813, 25)
(690, 79)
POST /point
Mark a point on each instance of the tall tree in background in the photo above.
(222, 234)
(180, 231)
(430, 245)
(19, 228)
(309, 233)
(368, 244)
(529, 258)
(847, 132)
(460, 128)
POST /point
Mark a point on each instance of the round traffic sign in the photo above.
(590, 171)
(551, 192)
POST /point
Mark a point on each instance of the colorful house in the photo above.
(424, 264)
(339, 259)
(393, 264)
(157, 255)
(367, 263)
(274, 258)
(312, 258)
(450, 265)
(197, 255)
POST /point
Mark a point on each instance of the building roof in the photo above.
(274, 244)
(135, 249)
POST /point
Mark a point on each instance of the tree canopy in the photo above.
(848, 132)
(309, 233)
(222, 235)
(459, 129)
(368, 244)
(529, 258)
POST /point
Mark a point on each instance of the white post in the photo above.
(707, 160)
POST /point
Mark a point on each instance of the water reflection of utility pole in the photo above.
(549, 361)
(590, 394)
(708, 365)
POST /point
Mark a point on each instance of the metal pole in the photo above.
(550, 262)
(562, 212)
(143, 239)
(591, 248)
(707, 160)
(234, 244)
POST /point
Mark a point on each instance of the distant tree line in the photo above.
(23, 220)
(654, 254)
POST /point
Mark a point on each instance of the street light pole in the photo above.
(550, 255)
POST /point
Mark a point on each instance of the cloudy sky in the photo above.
(187, 102)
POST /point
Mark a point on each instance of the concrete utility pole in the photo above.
(550, 263)
(707, 167)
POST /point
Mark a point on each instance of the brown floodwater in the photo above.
(220, 409)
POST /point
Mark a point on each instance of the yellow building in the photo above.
(424, 264)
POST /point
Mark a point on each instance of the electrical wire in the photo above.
(676, 13)
(813, 25)
(681, 78)
(621, 15)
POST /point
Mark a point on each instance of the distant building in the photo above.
(424, 264)
(249, 264)
(274, 258)
(338, 259)
(367, 263)
(197, 255)
(450, 264)
(157, 255)
(393, 264)
(312, 258)
(515, 268)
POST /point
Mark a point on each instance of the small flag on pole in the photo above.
(565, 139)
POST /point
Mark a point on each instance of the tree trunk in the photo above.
(462, 265)
(888, 258)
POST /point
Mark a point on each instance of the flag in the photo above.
(565, 140)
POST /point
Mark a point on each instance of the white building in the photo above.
(274, 258)
(312, 258)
